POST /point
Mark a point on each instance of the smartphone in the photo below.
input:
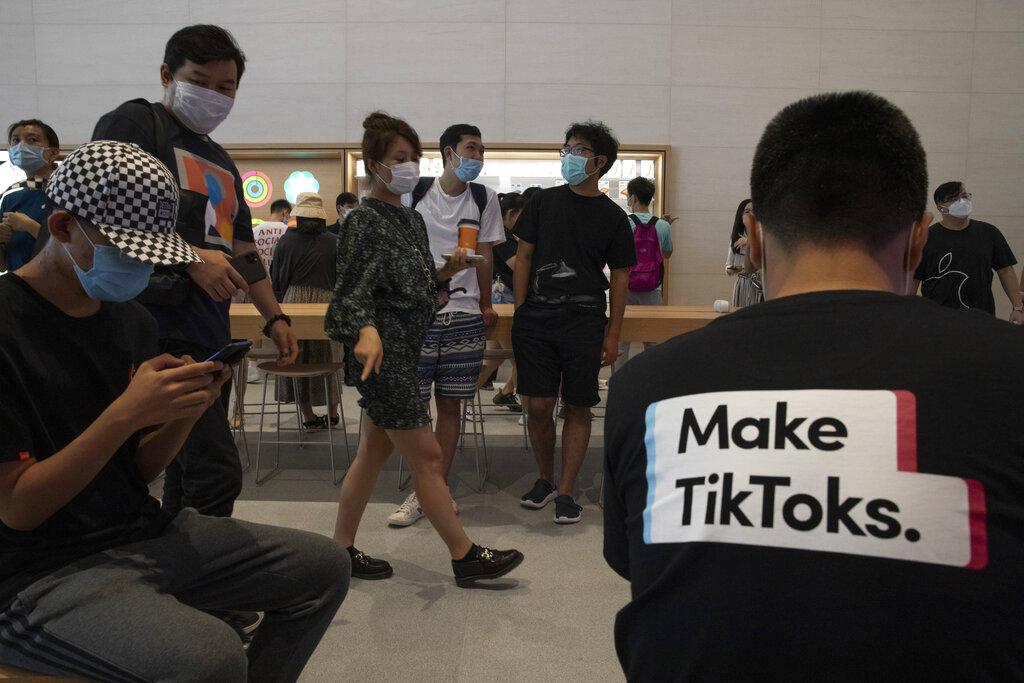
(471, 258)
(250, 266)
(232, 353)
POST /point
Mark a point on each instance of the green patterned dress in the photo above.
(386, 279)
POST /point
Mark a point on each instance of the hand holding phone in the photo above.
(474, 259)
(250, 266)
(232, 353)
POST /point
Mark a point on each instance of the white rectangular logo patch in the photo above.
(822, 470)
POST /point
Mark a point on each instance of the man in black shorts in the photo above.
(828, 485)
(567, 235)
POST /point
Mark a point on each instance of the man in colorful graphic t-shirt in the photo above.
(200, 74)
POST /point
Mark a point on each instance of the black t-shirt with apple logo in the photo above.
(957, 265)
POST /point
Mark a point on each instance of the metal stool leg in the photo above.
(344, 427)
(330, 431)
(259, 437)
(298, 415)
(482, 474)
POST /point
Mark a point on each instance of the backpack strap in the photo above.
(480, 197)
(636, 220)
(653, 223)
(420, 191)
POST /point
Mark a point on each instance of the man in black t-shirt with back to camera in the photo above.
(828, 485)
(962, 253)
(567, 235)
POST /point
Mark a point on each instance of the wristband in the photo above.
(270, 323)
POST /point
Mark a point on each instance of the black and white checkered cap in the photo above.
(126, 194)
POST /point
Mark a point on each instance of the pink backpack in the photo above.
(645, 276)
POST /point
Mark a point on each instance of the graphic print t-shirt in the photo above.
(442, 213)
(844, 498)
(957, 265)
(211, 214)
(574, 238)
(57, 375)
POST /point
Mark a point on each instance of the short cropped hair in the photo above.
(452, 135)
(641, 188)
(600, 138)
(839, 168)
(201, 44)
(50, 133)
(346, 198)
(280, 205)
(943, 193)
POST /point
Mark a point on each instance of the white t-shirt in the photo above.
(442, 213)
(266, 236)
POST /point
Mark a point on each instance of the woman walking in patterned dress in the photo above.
(386, 295)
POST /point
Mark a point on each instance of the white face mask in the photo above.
(199, 109)
(961, 208)
(404, 177)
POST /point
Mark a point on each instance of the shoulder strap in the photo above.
(653, 223)
(636, 220)
(418, 192)
(480, 197)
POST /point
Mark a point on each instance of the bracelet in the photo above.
(270, 323)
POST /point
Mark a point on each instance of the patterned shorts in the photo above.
(451, 357)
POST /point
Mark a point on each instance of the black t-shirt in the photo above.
(57, 374)
(823, 486)
(502, 253)
(956, 267)
(211, 214)
(574, 238)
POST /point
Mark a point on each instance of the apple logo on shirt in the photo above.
(944, 272)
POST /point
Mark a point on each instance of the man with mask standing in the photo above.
(200, 74)
(567, 235)
(343, 204)
(458, 213)
(961, 255)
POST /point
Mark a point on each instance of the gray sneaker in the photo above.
(542, 493)
(567, 511)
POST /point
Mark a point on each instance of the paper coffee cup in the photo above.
(721, 306)
(469, 232)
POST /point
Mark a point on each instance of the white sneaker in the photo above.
(408, 513)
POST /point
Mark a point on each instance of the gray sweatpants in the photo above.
(134, 613)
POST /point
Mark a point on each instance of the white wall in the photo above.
(702, 75)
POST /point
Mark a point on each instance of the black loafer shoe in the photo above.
(369, 568)
(485, 563)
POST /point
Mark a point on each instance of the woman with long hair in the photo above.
(386, 296)
(748, 289)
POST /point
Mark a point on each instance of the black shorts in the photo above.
(559, 345)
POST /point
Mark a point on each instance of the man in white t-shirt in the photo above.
(269, 232)
(453, 350)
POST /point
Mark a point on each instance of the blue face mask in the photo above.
(113, 276)
(574, 169)
(468, 169)
(29, 158)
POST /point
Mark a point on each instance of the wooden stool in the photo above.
(292, 373)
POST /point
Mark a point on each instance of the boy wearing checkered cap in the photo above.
(96, 579)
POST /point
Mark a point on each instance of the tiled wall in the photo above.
(701, 75)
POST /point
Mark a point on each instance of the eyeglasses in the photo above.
(575, 150)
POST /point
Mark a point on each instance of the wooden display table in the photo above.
(641, 323)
